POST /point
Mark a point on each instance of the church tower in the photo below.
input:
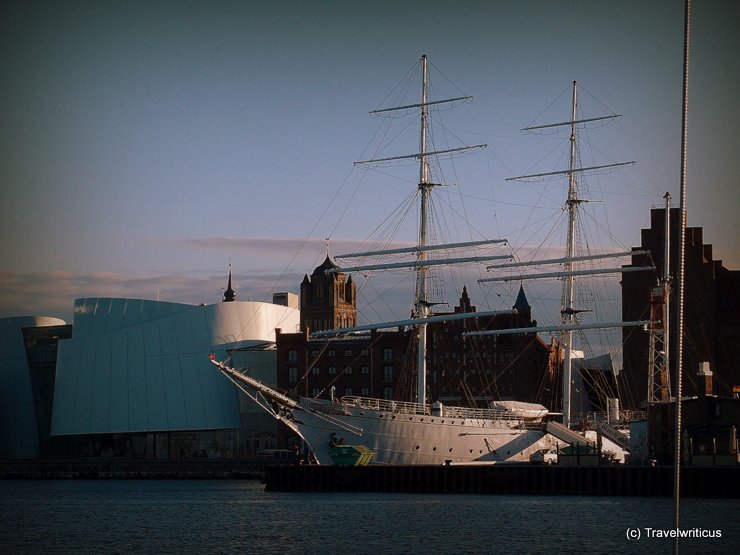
(327, 300)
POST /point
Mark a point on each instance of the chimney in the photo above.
(705, 384)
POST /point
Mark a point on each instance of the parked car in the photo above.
(544, 456)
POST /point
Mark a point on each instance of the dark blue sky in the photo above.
(144, 144)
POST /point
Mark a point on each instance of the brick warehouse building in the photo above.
(711, 311)
(464, 371)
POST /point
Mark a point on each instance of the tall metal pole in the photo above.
(667, 296)
(681, 276)
(568, 310)
(422, 306)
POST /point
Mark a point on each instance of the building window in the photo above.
(315, 392)
(388, 374)
(363, 352)
(292, 374)
(314, 352)
(332, 370)
(292, 355)
(387, 354)
(365, 391)
(348, 370)
(315, 370)
(365, 369)
(388, 393)
(348, 352)
(348, 391)
(332, 352)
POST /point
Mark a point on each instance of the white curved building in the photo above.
(136, 365)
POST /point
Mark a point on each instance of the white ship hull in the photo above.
(398, 437)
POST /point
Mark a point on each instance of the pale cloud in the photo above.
(52, 293)
(284, 246)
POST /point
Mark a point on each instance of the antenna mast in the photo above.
(658, 376)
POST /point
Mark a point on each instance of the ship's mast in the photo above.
(568, 311)
(421, 304)
(421, 311)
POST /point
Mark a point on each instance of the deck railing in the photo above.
(442, 411)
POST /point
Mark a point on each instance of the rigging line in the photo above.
(407, 81)
(310, 365)
(381, 297)
(493, 195)
(478, 346)
(350, 365)
(590, 218)
(555, 226)
(326, 209)
(396, 216)
(492, 152)
(606, 227)
(450, 81)
(382, 140)
(385, 142)
(559, 147)
(541, 194)
(465, 216)
(567, 88)
(313, 229)
(581, 89)
(657, 189)
(466, 391)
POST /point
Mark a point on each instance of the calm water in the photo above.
(239, 517)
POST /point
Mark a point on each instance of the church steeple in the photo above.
(521, 299)
(521, 305)
(229, 294)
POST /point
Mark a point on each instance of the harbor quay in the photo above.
(506, 479)
(514, 479)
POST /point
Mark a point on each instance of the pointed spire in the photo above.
(521, 299)
(229, 294)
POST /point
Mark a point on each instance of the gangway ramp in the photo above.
(566, 434)
(621, 439)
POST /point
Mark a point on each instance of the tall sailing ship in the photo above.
(410, 432)
(416, 431)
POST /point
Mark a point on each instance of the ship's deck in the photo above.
(347, 403)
